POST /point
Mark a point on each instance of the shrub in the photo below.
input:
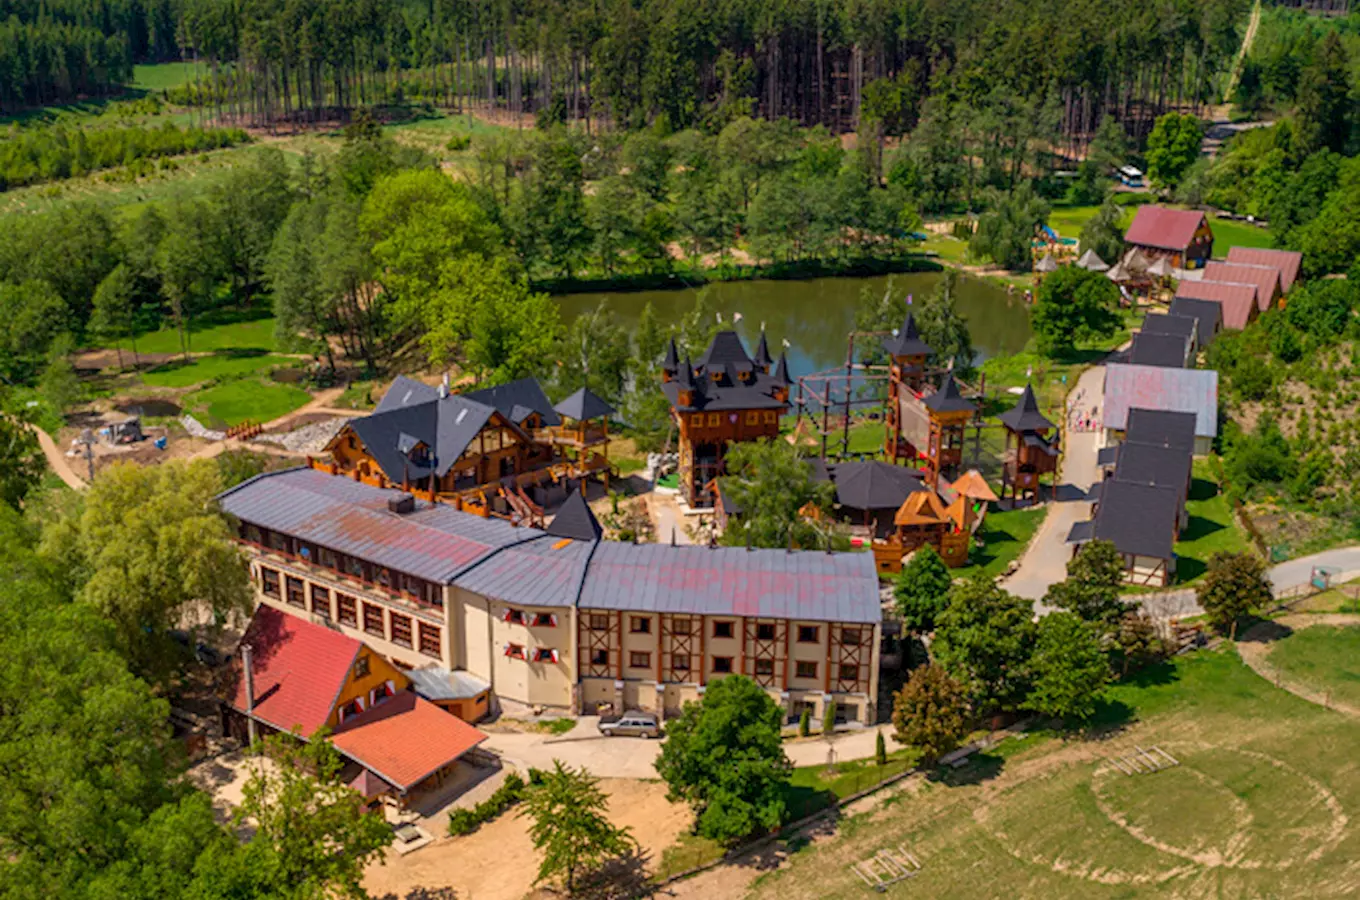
(458, 142)
(805, 723)
(829, 718)
(466, 821)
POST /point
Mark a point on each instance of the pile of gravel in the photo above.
(309, 438)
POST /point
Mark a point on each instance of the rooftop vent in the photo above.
(402, 504)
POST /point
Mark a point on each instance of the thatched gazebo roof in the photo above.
(1046, 265)
(1092, 263)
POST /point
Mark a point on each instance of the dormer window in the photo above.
(717, 376)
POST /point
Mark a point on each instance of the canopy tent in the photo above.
(1119, 273)
(1046, 265)
(1091, 262)
(1135, 261)
(1160, 268)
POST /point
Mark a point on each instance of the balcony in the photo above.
(582, 434)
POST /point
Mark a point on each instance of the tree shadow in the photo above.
(1262, 631)
(1110, 718)
(618, 879)
(1202, 489)
(803, 801)
(422, 893)
(1189, 568)
(976, 769)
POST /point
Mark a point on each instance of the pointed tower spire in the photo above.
(948, 398)
(672, 360)
(907, 341)
(781, 371)
(575, 520)
(1025, 414)
(763, 359)
(685, 375)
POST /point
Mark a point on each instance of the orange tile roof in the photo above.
(299, 670)
(405, 739)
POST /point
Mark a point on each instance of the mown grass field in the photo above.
(1068, 221)
(1212, 529)
(1261, 805)
(245, 399)
(204, 368)
(1002, 538)
(1325, 658)
(210, 335)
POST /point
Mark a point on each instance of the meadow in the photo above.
(1261, 805)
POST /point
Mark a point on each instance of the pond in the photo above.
(816, 315)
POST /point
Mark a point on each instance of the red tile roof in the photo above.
(1266, 279)
(405, 739)
(1286, 261)
(1164, 228)
(1236, 300)
(299, 670)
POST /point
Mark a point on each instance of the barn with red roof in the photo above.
(1181, 235)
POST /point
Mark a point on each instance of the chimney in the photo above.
(444, 386)
(248, 666)
(401, 504)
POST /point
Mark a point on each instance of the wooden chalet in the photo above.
(1029, 452)
(922, 424)
(487, 452)
(1182, 236)
(726, 398)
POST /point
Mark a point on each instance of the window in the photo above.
(807, 634)
(429, 639)
(640, 624)
(680, 662)
(514, 651)
(269, 582)
(545, 654)
(599, 622)
(373, 620)
(599, 657)
(280, 542)
(764, 667)
(296, 594)
(753, 417)
(851, 636)
(346, 613)
(849, 672)
(545, 620)
(401, 629)
(765, 632)
(722, 629)
(514, 616)
(321, 601)
(806, 670)
(714, 420)
(381, 693)
(351, 709)
(306, 550)
(680, 626)
(382, 576)
(771, 417)
(639, 660)
(327, 558)
(722, 664)
(697, 420)
(252, 534)
(353, 567)
(361, 667)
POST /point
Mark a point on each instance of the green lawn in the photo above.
(1323, 657)
(249, 334)
(244, 399)
(1068, 220)
(202, 368)
(1261, 805)
(161, 76)
(1212, 528)
(1003, 537)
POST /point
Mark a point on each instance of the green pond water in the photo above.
(816, 315)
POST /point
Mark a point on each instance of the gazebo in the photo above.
(1092, 263)
(585, 424)
(875, 491)
(1046, 264)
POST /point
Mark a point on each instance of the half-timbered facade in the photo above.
(559, 617)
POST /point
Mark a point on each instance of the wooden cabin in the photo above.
(1029, 453)
(726, 398)
(1182, 236)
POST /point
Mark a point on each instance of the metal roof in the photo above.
(1158, 387)
(809, 585)
(1236, 301)
(1286, 261)
(1265, 278)
(546, 571)
(1163, 227)
(436, 542)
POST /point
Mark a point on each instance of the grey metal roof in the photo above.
(1160, 387)
(542, 572)
(438, 683)
(436, 542)
(809, 585)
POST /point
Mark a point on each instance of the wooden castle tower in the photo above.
(922, 425)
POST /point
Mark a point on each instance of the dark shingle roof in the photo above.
(907, 341)
(517, 399)
(948, 398)
(582, 405)
(1153, 349)
(1155, 464)
(1182, 326)
(445, 426)
(405, 392)
(717, 382)
(672, 360)
(1025, 415)
(763, 357)
(874, 485)
(1139, 519)
(1208, 316)
(1161, 426)
(575, 520)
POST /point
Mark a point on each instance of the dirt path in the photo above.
(1254, 648)
(499, 862)
(1247, 39)
(57, 460)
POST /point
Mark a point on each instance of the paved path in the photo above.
(1254, 648)
(1045, 560)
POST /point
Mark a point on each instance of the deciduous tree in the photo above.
(1233, 585)
(571, 826)
(1069, 669)
(1172, 147)
(1071, 305)
(922, 590)
(1091, 590)
(930, 712)
(984, 639)
(771, 484)
(725, 757)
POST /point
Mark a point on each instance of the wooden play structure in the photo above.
(1029, 453)
(945, 517)
(924, 425)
